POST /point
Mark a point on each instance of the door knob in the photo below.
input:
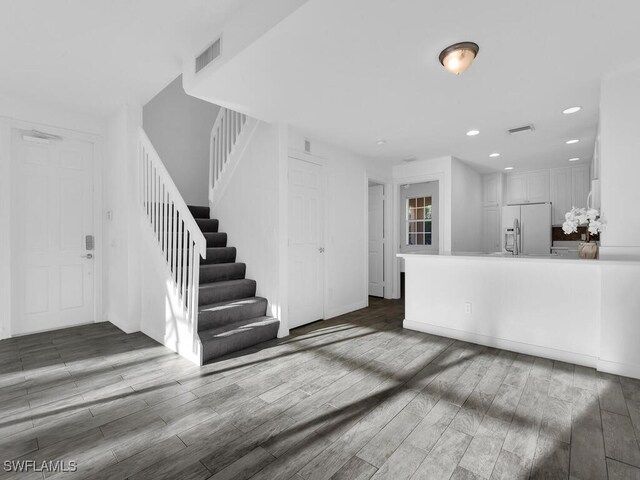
(88, 255)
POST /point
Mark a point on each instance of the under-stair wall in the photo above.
(248, 211)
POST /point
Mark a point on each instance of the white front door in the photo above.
(376, 240)
(52, 213)
(306, 265)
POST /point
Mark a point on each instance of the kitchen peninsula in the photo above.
(580, 311)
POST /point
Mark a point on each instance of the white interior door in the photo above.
(306, 265)
(52, 212)
(376, 240)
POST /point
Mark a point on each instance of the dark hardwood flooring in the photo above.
(355, 397)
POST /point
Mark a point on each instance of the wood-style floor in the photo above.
(355, 397)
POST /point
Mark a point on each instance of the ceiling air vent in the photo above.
(209, 55)
(523, 129)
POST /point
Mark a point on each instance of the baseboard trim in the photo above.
(519, 347)
(622, 369)
(336, 312)
(185, 351)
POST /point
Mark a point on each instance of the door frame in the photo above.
(320, 161)
(7, 125)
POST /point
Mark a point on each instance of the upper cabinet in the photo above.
(528, 187)
(569, 188)
(580, 185)
(492, 189)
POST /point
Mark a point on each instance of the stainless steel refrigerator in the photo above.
(526, 229)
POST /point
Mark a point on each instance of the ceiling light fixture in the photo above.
(382, 141)
(574, 159)
(458, 57)
(494, 155)
(508, 168)
(570, 110)
(472, 133)
(571, 142)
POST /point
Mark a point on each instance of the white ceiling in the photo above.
(90, 56)
(352, 72)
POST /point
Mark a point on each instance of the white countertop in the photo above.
(506, 257)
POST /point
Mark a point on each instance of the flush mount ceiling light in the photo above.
(472, 133)
(574, 159)
(508, 168)
(571, 142)
(458, 57)
(570, 110)
(494, 155)
(382, 141)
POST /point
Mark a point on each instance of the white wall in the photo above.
(179, 127)
(248, 212)
(244, 27)
(122, 290)
(619, 172)
(466, 208)
(620, 163)
(346, 250)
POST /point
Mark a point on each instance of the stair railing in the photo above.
(179, 237)
(224, 136)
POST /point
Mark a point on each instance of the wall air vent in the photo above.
(212, 52)
(523, 129)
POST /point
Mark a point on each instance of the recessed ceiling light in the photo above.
(382, 141)
(508, 168)
(472, 133)
(458, 57)
(570, 110)
(571, 142)
(574, 159)
(494, 155)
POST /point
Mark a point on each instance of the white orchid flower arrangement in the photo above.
(583, 216)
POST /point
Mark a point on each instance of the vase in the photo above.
(588, 250)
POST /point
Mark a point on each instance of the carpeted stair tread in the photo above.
(198, 211)
(220, 272)
(219, 314)
(207, 224)
(215, 239)
(237, 336)
(223, 291)
(230, 316)
(219, 255)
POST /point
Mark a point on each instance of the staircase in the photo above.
(230, 316)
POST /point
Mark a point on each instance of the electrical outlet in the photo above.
(467, 308)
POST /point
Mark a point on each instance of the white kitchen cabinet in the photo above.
(528, 187)
(561, 194)
(517, 188)
(581, 185)
(491, 225)
(492, 189)
(570, 187)
(538, 186)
